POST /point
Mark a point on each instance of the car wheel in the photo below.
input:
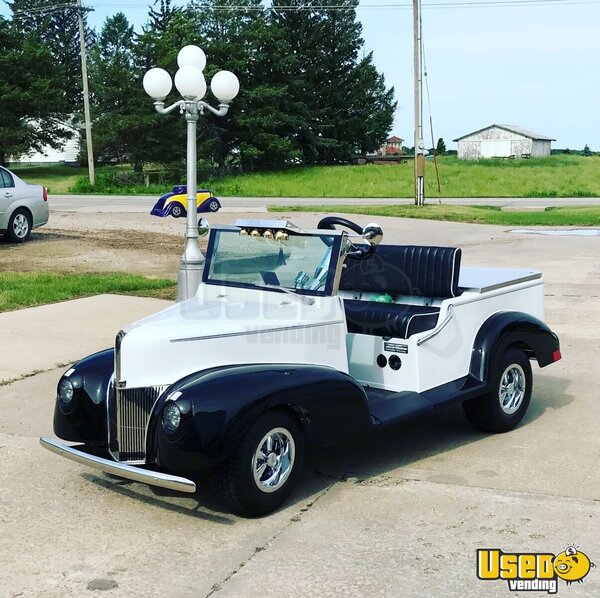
(511, 383)
(19, 226)
(213, 206)
(177, 211)
(260, 475)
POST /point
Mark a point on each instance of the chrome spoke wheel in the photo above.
(273, 460)
(512, 388)
(20, 226)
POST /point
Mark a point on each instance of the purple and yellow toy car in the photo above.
(173, 204)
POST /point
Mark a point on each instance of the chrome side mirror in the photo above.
(373, 234)
(203, 227)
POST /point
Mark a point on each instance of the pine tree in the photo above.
(440, 147)
(261, 122)
(126, 126)
(158, 20)
(348, 108)
(32, 103)
(58, 29)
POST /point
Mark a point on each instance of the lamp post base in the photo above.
(189, 278)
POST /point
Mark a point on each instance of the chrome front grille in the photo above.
(132, 409)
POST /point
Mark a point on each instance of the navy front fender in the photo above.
(85, 419)
(220, 404)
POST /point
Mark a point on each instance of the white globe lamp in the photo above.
(225, 86)
(157, 83)
(190, 82)
(191, 56)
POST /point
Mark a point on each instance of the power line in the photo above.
(51, 9)
(450, 5)
(383, 7)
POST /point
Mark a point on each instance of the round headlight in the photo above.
(65, 391)
(171, 417)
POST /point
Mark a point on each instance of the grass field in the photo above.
(58, 179)
(578, 216)
(555, 176)
(26, 289)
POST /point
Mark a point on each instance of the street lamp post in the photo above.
(189, 81)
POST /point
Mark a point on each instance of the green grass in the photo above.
(58, 179)
(554, 176)
(578, 216)
(26, 289)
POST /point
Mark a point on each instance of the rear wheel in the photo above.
(19, 226)
(261, 474)
(511, 383)
(177, 211)
(213, 205)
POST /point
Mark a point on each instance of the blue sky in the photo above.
(535, 66)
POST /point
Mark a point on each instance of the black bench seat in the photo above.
(389, 319)
(430, 273)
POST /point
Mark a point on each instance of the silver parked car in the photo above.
(23, 207)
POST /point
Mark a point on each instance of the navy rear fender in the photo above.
(219, 405)
(510, 328)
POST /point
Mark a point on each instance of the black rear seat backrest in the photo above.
(405, 270)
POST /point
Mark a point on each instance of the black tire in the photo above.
(19, 226)
(235, 480)
(177, 211)
(494, 412)
(213, 206)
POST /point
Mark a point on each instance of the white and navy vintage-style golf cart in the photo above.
(300, 337)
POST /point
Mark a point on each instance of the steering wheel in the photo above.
(358, 251)
(329, 223)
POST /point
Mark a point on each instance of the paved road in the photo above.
(143, 203)
(399, 514)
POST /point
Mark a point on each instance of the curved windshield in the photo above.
(302, 263)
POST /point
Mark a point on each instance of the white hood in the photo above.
(227, 325)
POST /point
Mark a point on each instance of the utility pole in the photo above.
(86, 96)
(418, 80)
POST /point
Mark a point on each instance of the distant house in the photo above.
(392, 147)
(68, 153)
(502, 141)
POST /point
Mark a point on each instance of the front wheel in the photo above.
(260, 475)
(511, 383)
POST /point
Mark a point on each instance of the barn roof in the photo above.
(513, 129)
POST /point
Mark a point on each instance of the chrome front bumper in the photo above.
(123, 470)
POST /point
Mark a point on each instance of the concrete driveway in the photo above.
(400, 514)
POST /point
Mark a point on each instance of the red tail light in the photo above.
(556, 356)
(45, 193)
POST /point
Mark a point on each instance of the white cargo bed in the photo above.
(481, 280)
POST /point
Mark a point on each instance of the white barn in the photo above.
(503, 141)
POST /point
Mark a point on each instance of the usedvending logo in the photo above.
(533, 571)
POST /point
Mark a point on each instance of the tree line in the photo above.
(309, 94)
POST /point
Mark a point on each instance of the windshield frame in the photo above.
(332, 274)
